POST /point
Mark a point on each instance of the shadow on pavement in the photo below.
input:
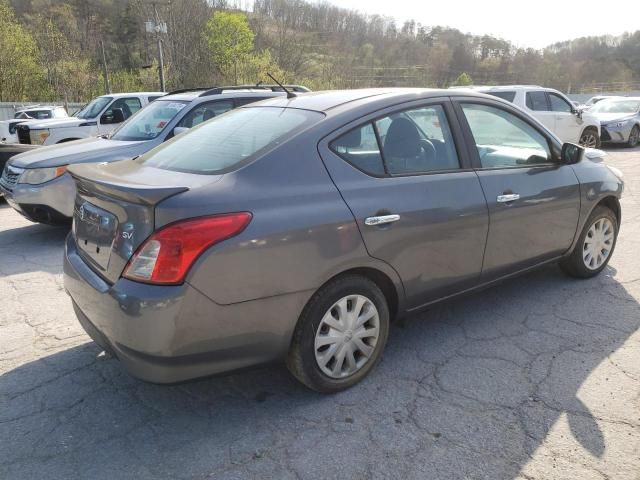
(469, 389)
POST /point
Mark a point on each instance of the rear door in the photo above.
(417, 202)
(534, 202)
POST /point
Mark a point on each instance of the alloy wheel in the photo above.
(589, 140)
(598, 243)
(634, 136)
(347, 336)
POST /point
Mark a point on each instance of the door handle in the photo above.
(381, 220)
(508, 197)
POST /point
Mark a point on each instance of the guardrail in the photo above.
(7, 109)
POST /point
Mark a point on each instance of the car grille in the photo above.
(23, 134)
(10, 177)
(604, 135)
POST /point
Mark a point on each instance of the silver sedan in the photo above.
(619, 120)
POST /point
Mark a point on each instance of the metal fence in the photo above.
(7, 109)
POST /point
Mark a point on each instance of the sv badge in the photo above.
(127, 235)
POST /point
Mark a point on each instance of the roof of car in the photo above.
(37, 107)
(192, 95)
(324, 101)
(128, 94)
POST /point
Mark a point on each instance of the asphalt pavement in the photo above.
(536, 378)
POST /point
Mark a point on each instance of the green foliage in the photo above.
(20, 73)
(230, 41)
(463, 80)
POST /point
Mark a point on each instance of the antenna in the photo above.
(290, 94)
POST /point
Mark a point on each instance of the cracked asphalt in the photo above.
(537, 378)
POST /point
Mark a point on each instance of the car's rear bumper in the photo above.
(167, 334)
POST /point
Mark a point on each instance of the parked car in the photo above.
(554, 110)
(98, 117)
(24, 115)
(298, 228)
(8, 150)
(619, 119)
(598, 98)
(36, 183)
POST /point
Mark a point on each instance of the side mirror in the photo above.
(577, 112)
(571, 154)
(179, 130)
(116, 116)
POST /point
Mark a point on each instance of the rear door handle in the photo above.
(508, 197)
(381, 220)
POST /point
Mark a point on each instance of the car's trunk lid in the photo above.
(114, 209)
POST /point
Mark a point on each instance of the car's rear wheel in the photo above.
(340, 335)
(634, 137)
(595, 245)
(590, 138)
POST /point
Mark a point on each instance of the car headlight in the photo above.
(38, 137)
(36, 176)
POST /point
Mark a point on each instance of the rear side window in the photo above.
(537, 101)
(508, 96)
(413, 142)
(228, 141)
(359, 147)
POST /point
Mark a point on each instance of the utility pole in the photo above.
(107, 85)
(157, 26)
(160, 64)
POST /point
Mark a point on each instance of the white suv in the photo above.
(554, 110)
(28, 114)
(98, 117)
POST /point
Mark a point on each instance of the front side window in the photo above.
(149, 122)
(230, 140)
(503, 139)
(359, 147)
(204, 112)
(417, 141)
(129, 106)
(93, 108)
(537, 101)
(559, 104)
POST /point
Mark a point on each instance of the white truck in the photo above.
(33, 113)
(98, 117)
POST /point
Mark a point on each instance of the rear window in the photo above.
(508, 96)
(227, 141)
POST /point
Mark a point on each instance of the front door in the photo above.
(568, 125)
(417, 207)
(534, 202)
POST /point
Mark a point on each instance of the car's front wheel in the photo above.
(590, 138)
(595, 245)
(340, 335)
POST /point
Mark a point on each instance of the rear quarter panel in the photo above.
(301, 233)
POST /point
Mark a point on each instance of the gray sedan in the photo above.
(619, 119)
(300, 227)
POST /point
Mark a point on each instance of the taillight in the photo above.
(167, 255)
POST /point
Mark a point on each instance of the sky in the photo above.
(536, 23)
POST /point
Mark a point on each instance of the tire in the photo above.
(590, 138)
(578, 264)
(305, 355)
(634, 137)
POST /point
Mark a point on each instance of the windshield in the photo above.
(229, 140)
(149, 122)
(93, 108)
(617, 106)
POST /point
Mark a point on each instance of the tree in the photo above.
(463, 80)
(20, 75)
(230, 40)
